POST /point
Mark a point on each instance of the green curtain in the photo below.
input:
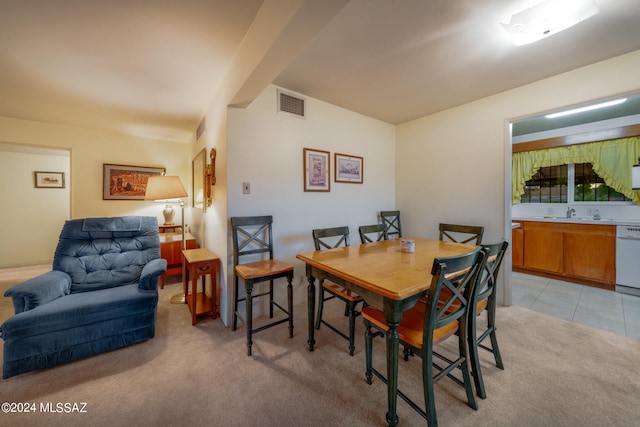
(612, 161)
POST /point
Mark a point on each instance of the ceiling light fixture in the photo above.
(548, 18)
(587, 108)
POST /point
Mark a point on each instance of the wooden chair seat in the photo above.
(411, 329)
(341, 292)
(264, 268)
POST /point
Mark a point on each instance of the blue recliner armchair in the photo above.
(101, 295)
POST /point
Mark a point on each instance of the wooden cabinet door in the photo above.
(543, 248)
(171, 252)
(590, 253)
(517, 247)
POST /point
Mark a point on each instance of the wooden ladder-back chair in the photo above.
(372, 233)
(391, 221)
(461, 233)
(429, 323)
(330, 238)
(486, 299)
(253, 238)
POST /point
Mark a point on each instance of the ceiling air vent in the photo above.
(200, 130)
(291, 105)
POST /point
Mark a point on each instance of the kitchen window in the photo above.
(590, 187)
(548, 185)
(602, 174)
(577, 182)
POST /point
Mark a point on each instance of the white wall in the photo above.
(265, 148)
(32, 217)
(455, 165)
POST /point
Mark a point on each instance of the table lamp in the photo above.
(167, 189)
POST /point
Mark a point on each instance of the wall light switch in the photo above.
(246, 188)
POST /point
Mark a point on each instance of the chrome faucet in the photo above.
(570, 212)
(596, 214)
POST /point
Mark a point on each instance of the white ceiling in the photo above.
(151, 67)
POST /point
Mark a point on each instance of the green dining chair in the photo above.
(485, 299)
(391, 221)
(252, 238)
(430, 323)
(372, 233)
(330, 238)
(461, 233)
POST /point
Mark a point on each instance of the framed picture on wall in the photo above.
(316, 170)
(348, 168)
(123, 182)
(48, 179)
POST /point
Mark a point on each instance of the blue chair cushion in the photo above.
(98, 255)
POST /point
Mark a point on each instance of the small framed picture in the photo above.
(49, 179)
(316, 170)
(348, 168)
(122, 182)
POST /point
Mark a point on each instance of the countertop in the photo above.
(583, 220)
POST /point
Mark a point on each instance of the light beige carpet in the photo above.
(557, 374)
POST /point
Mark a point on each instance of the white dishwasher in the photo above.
(628, 259)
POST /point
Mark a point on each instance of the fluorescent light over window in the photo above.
(548, 18)
(587, 108)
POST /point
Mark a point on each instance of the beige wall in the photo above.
(90, 149)
(31, 217)
(454, 166)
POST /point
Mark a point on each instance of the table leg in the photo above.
(311, 305)
(392, 372)
(194, 294)
(249, 288)
(214, 292)
(290, 302)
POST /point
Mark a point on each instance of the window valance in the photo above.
(612, 161)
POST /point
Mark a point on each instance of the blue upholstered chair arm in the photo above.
(151, 272)
(39, 290)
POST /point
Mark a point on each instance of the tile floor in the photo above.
(612, 311)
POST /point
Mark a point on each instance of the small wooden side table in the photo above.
(165, 228)
(199, 263)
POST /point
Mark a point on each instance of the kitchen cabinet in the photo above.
(590, 254)
(583, 253)
(517, 246)
(543, 247)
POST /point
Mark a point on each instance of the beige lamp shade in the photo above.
(164, 188)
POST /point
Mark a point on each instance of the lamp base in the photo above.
(177, 299)
(168, 214)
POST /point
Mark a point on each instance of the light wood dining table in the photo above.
(386, 278)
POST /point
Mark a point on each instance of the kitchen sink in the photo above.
(564, 218)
